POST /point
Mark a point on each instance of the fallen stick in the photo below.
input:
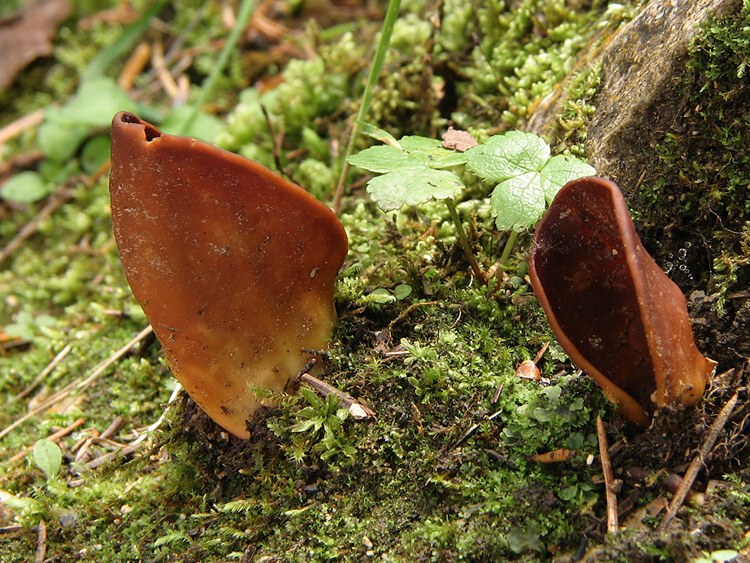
(670, 482)
(52, 437)
(609, 477)
(699, 461)
(44, 373)
(76, 386)
(15, 128)
(41, 542)
(101, 460)
(355, 408)
(112, 429)
(55, 201)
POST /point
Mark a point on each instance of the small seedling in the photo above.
(48, 457)
(322, 420)
(415, 170)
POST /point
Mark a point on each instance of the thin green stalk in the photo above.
(509, 244)
(464, 242)
(389, 22)
(243, 17)
(114, 52)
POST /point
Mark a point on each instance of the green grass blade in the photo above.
(124, 44)
(389, 22)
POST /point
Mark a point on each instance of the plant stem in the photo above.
(389, 21)
(243, 17)
(509, 244)
(464, 242)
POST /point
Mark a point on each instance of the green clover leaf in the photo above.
(413, 186)
(384, 158)
(511, 154)
(518, 202)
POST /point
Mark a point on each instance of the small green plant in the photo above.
(77, 123)
(48, 457)
(717, 556)
(519, 166)
(322, 420)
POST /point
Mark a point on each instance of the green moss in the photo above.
(703, 168)
(523, 53)
(578, 109)
(443, 472)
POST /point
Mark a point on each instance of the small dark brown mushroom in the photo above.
(612, 309)
(233, 265)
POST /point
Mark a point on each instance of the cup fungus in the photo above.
(233, 265)
(614, 311)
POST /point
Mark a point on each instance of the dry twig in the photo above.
(608, 476)
(155, 425)
(45, 372)
(699, 462)
(101, 460)
(55, 202)
(112, 429)
(52, 437)
(41, 542)
(473, 428)
(355, 408)
(20, 125)
(79, 385)
(167, 80)
(408, 311)
(134, 65)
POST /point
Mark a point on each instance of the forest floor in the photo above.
(465, 458)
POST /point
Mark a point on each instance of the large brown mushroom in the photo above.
(612, 309)
(233, 265)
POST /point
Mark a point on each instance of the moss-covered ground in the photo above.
(444, 471)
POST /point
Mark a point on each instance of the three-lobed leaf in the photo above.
(518, 162)
(412, 186)
(527, 178)
(411, 173)
(519, 202)
(508, 155)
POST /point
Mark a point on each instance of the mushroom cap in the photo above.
(611, 307)
(233, 265)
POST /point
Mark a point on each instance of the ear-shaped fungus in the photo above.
(614, 311)
(233, 265)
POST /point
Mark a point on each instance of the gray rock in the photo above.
(639, 98)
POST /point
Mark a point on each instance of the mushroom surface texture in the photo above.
(612, 308)
(233, 265)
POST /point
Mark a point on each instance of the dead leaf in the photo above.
(555, 456)
(27, 35)
(458, 140)
(528, 370)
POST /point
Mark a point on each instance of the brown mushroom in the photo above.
(612, 309)
(233, 265)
